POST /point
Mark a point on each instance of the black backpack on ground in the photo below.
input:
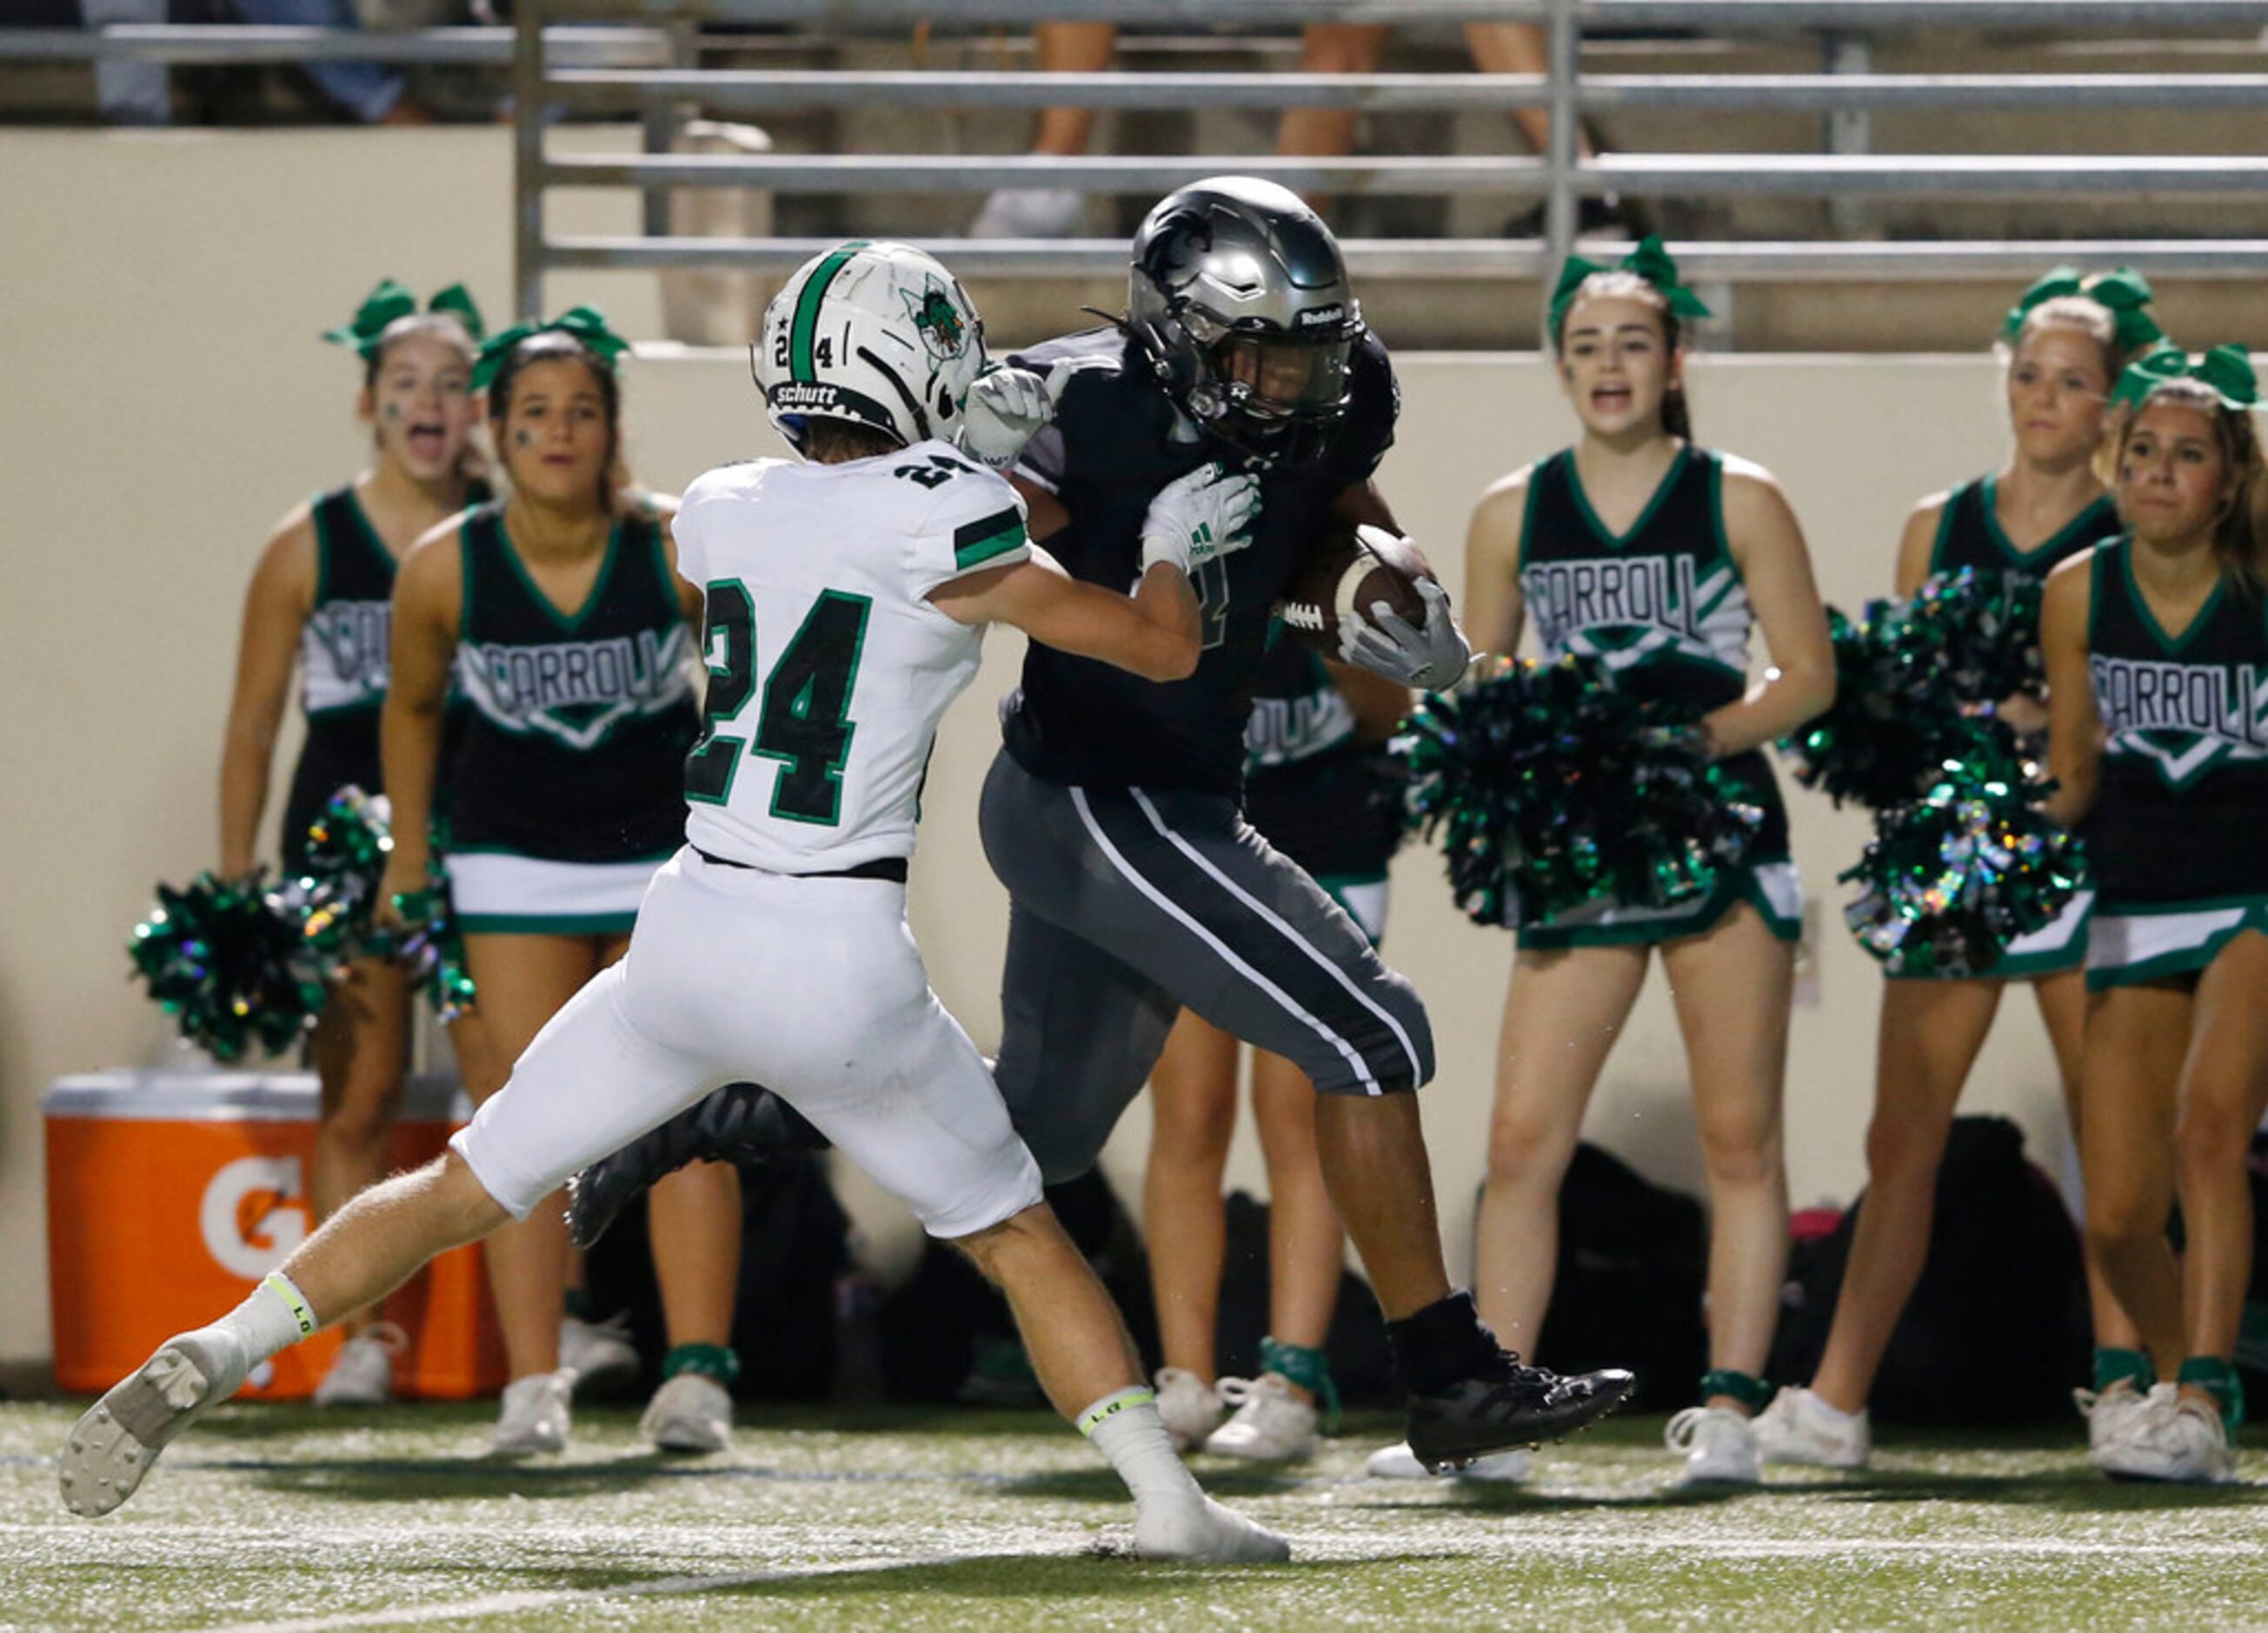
(1633, 1258)
(1997, 1330)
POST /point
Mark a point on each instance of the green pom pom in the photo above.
(1952, 878)
(1917, 683)
(1548, 779)
(230, 965)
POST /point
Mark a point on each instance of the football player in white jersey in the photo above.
(845, 603)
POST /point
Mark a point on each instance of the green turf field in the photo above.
(268, 1517)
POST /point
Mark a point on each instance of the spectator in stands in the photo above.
(138, 93)
(1325, 48)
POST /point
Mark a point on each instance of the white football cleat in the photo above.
(1399, 1462)
(1271, 1423)
(1719, 1447)
(1798, 1427)
(690, 1413)
(1204, 1533)
(1190, 1407)
(599, 1355)
(534, 1419)
(363, 1373)
(113, 1446)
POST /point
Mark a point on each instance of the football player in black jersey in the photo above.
(2063, 345)
(1242, 368)
(1112, 814)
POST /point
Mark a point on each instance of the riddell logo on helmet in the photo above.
(1314, 317)
(798, 394)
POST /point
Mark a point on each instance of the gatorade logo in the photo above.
(254, 1213)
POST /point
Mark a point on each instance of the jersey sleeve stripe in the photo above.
(980, 541)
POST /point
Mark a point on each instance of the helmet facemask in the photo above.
(1240, 297)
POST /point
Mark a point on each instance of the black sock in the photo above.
(1441, 1345)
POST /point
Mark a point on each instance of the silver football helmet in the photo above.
(878, 334)
(1240, 295)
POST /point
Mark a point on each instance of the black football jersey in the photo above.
(1116, 440)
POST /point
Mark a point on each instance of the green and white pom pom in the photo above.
(1548, 779)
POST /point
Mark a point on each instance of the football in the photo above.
(1351, 568)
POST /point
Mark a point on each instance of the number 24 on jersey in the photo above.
(803, 718)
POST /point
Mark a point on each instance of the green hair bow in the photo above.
(587, 324)
(2125, 293)
(2226, 371)
(1649, 260)
(390, 302)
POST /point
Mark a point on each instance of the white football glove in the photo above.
(1432, 658)
(1005, 409)
(1196, 518)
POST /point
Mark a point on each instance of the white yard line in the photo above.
(509, 1604)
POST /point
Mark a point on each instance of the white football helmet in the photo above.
(878, 334)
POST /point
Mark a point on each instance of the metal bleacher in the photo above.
(1766, 162)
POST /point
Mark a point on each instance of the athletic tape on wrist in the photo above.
(294, 1300)
(1110, 1406)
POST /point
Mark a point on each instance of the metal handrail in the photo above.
(1716, 175)
(1712, 15)
(228, 43)
(1464, 258)
(764, 90)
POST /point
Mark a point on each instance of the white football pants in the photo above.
(813, 987)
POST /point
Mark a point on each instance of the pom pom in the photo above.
(229, 966)
(347, 851)
(1951, 879)
(1547, 779)
(1915, 684)
(1983, 630)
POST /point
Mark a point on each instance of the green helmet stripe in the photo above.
(807, 312)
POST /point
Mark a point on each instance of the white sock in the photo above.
(275, 1318)
(1126, 1429)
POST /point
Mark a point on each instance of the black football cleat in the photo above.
(741, 1123)
(1507, 1405)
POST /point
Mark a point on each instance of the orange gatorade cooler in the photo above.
(171, 1193)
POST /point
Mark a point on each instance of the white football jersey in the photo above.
(828, 667)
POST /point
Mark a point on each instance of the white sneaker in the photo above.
(534, 1419)
(2170, 1439)
(690, 1413)
(1399, 1462)
(118, 1439)
(1190, 1407)
(1205, 1533)
(1798, 1427)
(363, 1373)
(1270, 1425)
(1719, 1446)
(1030, 212)
(599, 1355)
(2112, 1416)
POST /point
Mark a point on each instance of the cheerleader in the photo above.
(2063, 345)
(1312, 789)
(2156, 644)
(561, 615)
(1654, 557)
(319, 598)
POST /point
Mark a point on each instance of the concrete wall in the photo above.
(166, 399)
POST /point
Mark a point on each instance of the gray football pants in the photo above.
(1128, 904)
